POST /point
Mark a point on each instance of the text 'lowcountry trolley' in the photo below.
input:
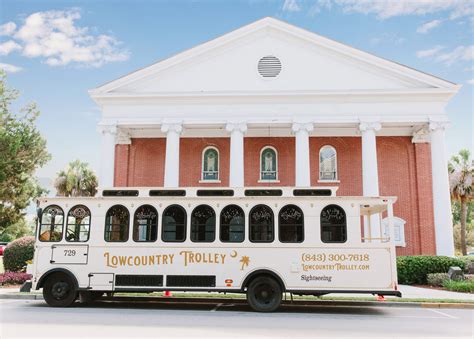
(258, 241)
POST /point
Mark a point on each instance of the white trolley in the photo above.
(261, 241)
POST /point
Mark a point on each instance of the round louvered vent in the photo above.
(269, 66)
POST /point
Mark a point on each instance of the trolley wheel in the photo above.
(264, 294)
(59, 290)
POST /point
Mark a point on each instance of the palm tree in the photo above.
(461, 185)
(76, 180)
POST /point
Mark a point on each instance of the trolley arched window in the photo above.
(261, 224)
(145, 224)
(52, 220)
(210, 164)
(78, 224)
(291, 224)
(174, 224)
(268, 164)
(333, 224)
(327, 163)
(117, 222)
(203, 224)
(232, 226)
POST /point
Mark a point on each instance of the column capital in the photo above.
(107, 129)
(236, 126)
(123, 137)
(421, 135)
(302, 126)
(172, 127)
(437, 125)
(369, 126)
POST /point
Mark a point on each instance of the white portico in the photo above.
(268, 81)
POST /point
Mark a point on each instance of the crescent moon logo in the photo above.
(233, 254)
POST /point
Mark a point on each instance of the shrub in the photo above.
(468, 260)
(414, 269)
(460, 286)
(17, 253)
(13, 278)
(436, 279)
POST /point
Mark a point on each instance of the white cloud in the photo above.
(470, 81)
(8, 47)
(291, 6)
(460, 53)
(8, 28)
(428, 26)
(429, 52)
(56, 37)
(385, 9)
(10, 68)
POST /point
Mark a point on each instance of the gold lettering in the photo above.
(114, 261)
(222, 258)
(123, 260)
(165, 259)
(107, 255)
(130, 261)
(198, 257)
(151, 259)
(171, 259)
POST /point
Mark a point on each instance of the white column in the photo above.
(107, 156)
(302, 167)
(236, 175)
(370, 173)
(173, 132)
(441, 196)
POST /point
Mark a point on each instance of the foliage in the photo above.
(468, 260)
(457, 237)
(436, 279)
(14, 278)
(76, 180)
(459, 286)
(16, 230)
(456, 209)
(461, 185)
(22, 151)
(414, 269)
(17, 253)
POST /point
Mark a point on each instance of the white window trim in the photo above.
(218, 180)
(276, 165)
(319, 167)
(397, 222)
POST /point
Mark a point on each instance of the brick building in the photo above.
(271, 104)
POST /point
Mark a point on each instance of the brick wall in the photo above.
(190, 159)
(285, 147)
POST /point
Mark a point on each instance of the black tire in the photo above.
(264, 294)
(59, 290)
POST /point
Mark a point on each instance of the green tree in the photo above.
(76, 180)
(22, 152)
(17, 230)
(461, 185)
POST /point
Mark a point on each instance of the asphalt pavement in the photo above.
(33, 318)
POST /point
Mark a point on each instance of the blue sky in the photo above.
(54, 51)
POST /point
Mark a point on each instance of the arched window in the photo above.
(145, 224)
(203, 224)
(210, 164)
(78, 224)
(268, 164)
(174, 224)
(261, 224)
(52, 220)
(333, 224)
(291, 224)
(327, 163)
(232, 227)
(117, 222)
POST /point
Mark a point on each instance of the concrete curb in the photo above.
(307, 303)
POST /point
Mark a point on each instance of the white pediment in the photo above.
(309, 62)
